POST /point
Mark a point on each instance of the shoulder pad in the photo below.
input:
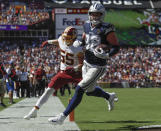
(108, 27)
(86, 23)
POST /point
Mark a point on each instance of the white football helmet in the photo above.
(96, 8)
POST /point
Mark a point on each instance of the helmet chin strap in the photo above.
(95, 24)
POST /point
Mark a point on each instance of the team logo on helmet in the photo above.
(69, 35)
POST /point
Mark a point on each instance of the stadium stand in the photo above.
(138, 66)
(13, 16)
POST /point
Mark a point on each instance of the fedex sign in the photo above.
(75, 22)
(64, 20)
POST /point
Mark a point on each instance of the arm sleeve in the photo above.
(110, 28)
(114, 50)
(113, 40)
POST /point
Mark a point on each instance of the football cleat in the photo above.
(57, 120)
(31, 114)
(113, 98)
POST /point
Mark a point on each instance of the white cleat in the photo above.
(57, 120)
(31, 114)
(113, 98)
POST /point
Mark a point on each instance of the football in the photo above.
(103, 47)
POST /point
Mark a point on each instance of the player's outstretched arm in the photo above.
(55, 42)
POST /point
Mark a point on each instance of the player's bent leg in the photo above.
(39, 103)
(109, 97)
(76, 99)
(98, 92)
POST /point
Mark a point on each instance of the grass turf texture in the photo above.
(6, 100)
(135, 108)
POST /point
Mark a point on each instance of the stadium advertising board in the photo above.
(136, 27)
(70, 17)
(133, 27)
(106, 3)
(13, 27)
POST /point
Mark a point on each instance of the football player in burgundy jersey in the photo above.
(70, 67)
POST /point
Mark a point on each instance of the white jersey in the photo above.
(8, 71)
(69, 54)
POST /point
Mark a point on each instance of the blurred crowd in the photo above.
(140, 66)
(30, 56)
(34, 67)
(14, 15)
(29, 69)
(134, 65)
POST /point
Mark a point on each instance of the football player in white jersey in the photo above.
(70, 67)
(96, 33)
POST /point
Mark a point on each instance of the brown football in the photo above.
(105, 47)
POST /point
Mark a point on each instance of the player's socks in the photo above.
(36, 107)
(98, 92)
(45, 96)
(76, 99)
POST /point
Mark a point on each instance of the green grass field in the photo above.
(136, 107)
(6, 100)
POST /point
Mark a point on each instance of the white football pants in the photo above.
(90, 76)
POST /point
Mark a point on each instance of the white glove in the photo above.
(77, 43)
